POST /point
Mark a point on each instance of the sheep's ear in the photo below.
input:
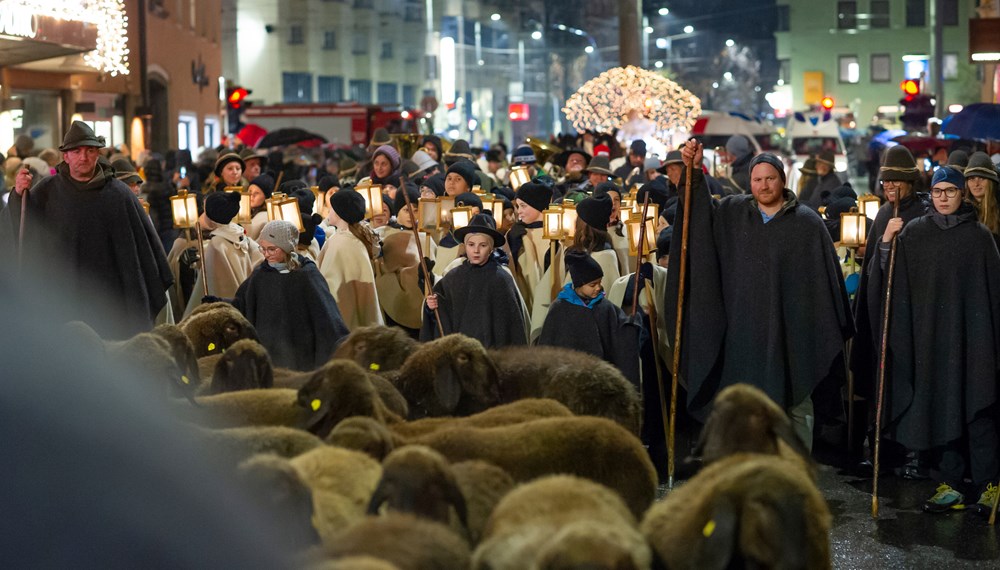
(457, 500)
(447, 386)
(794, 545)
(720, 535)
(319, 409)
(380, 496)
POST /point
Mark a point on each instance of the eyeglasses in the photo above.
(950, 192)
(268, 250)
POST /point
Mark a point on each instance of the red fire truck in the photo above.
(343, 124)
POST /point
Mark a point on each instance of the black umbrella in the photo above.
(291, 135)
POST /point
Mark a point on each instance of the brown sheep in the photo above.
(561, 521)
(404, 540)
(337, 391)
(214, 327)
(354, 563)
(377, 348)
(502, 415)
(150, 357)
(279, 488)
(391, 397)
(270, 407)
(182, 349)
(365, 435)
(244, 442)
(744, 510)
(246, 365)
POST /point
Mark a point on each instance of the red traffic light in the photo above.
(910, 87)
(236, 96)
(827, 103)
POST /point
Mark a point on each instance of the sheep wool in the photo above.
(408, 542)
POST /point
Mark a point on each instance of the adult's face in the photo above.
(947, 197)
(596, 178)
(432, 150)
(894, 189)
(766, 185)
(253, 168)
(257, 196)
(526, 213)
(674, 173)
(454, 184)
(381, 166)
(82, 162)
(575, 163)
(231, 173)
(822, 169)
(616, 206)
(636, 159)
(272, 253)
(978, 186)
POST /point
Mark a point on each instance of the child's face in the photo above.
(478, 248)
(588, 291)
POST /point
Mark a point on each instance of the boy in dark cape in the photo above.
(582, 319)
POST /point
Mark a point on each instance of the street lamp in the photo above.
(730, 43)
(688, 29)
(495, 17)
(663, 11)
(536, 35)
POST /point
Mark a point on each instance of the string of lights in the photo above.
(111, 55)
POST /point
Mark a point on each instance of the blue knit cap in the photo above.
(949, 175)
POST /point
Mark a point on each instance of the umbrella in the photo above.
(251, 134)
(921, 144)
(624, 95)
(884, 139)
(289, 136)
(979, 121)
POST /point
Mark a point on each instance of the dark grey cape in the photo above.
(480, 301)
(944, 331)
(765, 304)
(95, 247)
(603, 331)
(295, 315)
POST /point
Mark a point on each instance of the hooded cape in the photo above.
(765, 304)
(294, 313)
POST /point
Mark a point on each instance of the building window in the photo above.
(915, 66)
(296, 35)
(409, 96)
(212, 133)
(329, 89)
(784, 70)
(359, 44)
(386, 52)
(329, 39)
(950, 15)
(850, 69)
(387, 93)
(949, 67)
(881, 68)
(916, 13)
(879, 14)
(781, 18)
(187, 131)
(360, 91)
(296, 87)
(847, 15)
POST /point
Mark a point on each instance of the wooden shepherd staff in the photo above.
(639, 251)
(420, 249)
(993, 512)
(20, 231)
(886, 301)
(682, 273)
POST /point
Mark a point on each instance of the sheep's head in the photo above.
(464, 378)
(337, 391)
(377, 348)
(745, 419)
(363, 434)
(150, 355)
(216, 328)
(245, 366)
(419, 481)
(593, 545)
(182, 349)
(274, 483)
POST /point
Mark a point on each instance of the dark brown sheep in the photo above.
(502, 415)
(214, 327)
(366, 435)
(404, 540)
(339, 390)
(182, 349)
(377, 348)
(277, 487)
(246, 365)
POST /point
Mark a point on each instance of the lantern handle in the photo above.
(420, 249)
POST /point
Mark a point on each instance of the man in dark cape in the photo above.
(478, 300)
(765, 303)
(296, 317)
(87, 236)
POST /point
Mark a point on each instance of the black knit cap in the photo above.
(226, 159)
(605, 187)
(535, 194)
(400, 202)
(327, 182)
(466, 170)
(898, 165)
(349, 205)
(222, 207)
(469, 199)
(582, 268)
(435, 183)
(981, 166)
(265, 183)
(595, 211)
(768, 158)
(481, 224)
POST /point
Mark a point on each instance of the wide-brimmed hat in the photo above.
(125, 172)
(981, 166)
(226, 159)
(481, 224)
(958, 159)
(673, 157)
(809, 166)
(460, 149)
(898, 165)
(379, 138)
(423, 161)
(562, 158)
(600, 164)
(827, 157)
(250, 154)
(80, 134)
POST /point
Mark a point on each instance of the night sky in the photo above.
(743, 19)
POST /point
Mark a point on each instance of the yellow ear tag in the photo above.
(709, 528)
(211, 346)
(374, 366)
(315, 404)
(185, 379)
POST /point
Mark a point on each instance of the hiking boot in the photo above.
(985, 503)
(945, 499)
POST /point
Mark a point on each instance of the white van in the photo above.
(714, 128)
(810, 133)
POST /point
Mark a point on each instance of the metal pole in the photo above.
(628, 32)
(937, 55)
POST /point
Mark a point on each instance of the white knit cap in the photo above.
(281, 233)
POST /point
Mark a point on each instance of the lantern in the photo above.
(460, 217)
(852, 228)
(288, 210)
(447, 203)
(568, 220)
(494, 205)
(869, 205)
(243, 216)
(478, 190)
(272, 203)
(317, 200)
(552, 224)
(429, 214)
(373, 200)
(518, 176)
(649, 237)
(185, 209)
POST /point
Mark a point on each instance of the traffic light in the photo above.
(827, 103)
(917, 107)
(236, 103)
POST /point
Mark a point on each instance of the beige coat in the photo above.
(230, 257)
(345, 264)
(531, 263)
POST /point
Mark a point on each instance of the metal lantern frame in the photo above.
(288, 210)
(569, 217)
(552, 223)
(460, 217)
(243, 216)
(428, 214)
(853, 229)
(271, 204)
(184, 209)
(634, 231)
(868, 205)
(519, 175)
(372, 193)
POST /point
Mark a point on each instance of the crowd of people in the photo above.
(765, 295)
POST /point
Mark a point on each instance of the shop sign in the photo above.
(17, 20)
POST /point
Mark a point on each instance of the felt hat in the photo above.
(605, 187)
(222, 207)
(347, 167)
(469, 199)
(948, 175)
(674, 157)
(600, 164)
(898, 164)
(435, 183)
(265, 183)
(809, 166)
(481, 224)
(652, 163)
(379, 138)
(768, 158)
(958, 159)
(595, 211)
(535, 194)
(349, 205)
(390, 153)
(981, 166)
(459, 150)
(826, 157)
(125, 172)
(523, 156)
(562, 158)
(582, 268)
(80, 134)
(398, 288)
(225, 159)
(466, 170)
(250, 154)
(638, 147)
(281, 233)
(423, 161)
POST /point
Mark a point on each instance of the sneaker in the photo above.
(944, 499)
(985, 503)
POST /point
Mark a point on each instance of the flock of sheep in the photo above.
(403, 455)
